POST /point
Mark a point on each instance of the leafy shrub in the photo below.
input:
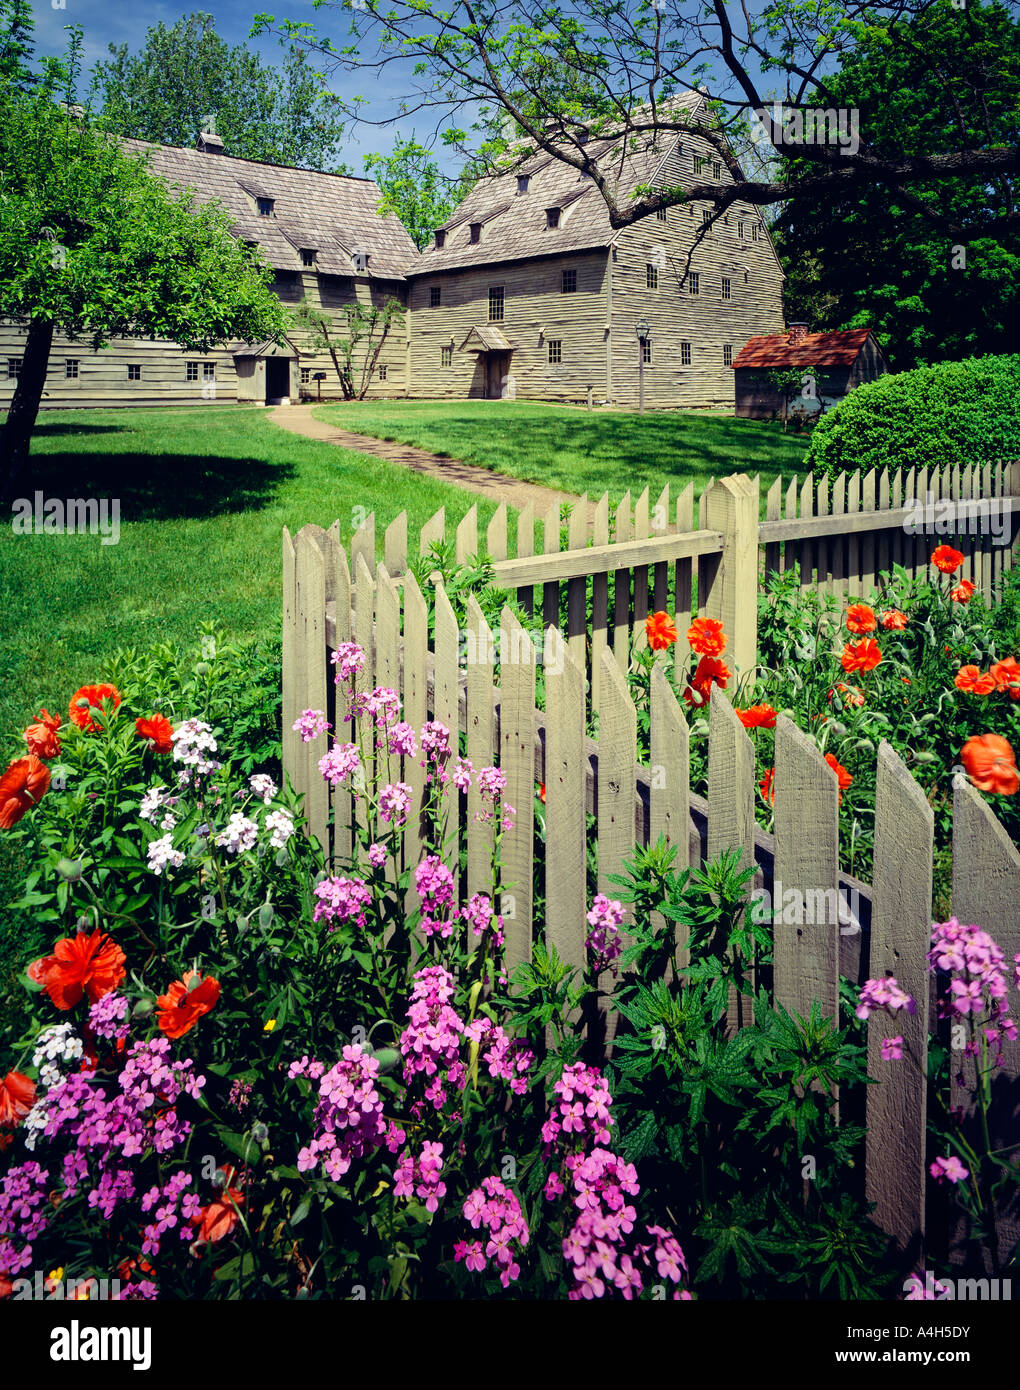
(933, 417)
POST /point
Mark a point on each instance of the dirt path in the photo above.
(496, 486)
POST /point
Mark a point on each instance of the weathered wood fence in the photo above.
(483, 683)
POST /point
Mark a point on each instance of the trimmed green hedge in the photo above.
(955, 412)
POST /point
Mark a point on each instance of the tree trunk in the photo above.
(21, 418)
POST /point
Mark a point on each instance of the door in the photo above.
(277, 377)
(497, 365)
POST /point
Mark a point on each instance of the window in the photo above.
(476, 232)
(208, 371)
(555, 350)
(523, 180)
(552, 217)
(435, 296)
(306, 375)
(307, 258)
(382, 372)
(71, 368)
(660, 214)
(685, 354)
(495, 303)
(706, 218)
(14, 367)
(134, 371)
(646, 350)
(651, 277)
(694, 282)
(754, 231)
(192, 371)
(446, 357)
(716, 170)
(740, 230)
(440, 240)
(727, 354)
(265, 206)
(699, 163)
(725, 287)
(569, 284)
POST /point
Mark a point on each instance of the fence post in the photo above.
(730, 505)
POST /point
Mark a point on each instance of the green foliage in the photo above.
(414, 188)
(933, 417)
(933, 268)
(186, 74)
(354, 339)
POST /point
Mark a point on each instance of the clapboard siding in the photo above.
(536, 311)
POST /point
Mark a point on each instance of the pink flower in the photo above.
(395, 802)
(377, 855)
(462, 774)
(310, 724)
(884, 994)
(950, 1168)
(348, 659)
(339, 763)
(892, 1049)
(403, 741)
(341, 900)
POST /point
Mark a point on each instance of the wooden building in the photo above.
(531, 256)
(527, 291)
(829, 365)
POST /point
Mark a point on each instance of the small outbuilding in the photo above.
(800, 374)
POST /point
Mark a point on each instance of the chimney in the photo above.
(209, 143)
(798, 332)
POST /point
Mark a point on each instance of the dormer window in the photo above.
(440, 240)
(523, 180)
(476, 233)
(307, 257)
(359, 259)
(265, 206)
(552, 217)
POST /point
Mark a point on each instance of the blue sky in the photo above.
(117, 22)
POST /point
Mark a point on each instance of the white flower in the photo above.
(263, 786)
(192, 741)
(161, 855)
(281, 823)
(240, 835)
(55, 1048)
(151, 802)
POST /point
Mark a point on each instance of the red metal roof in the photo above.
(814, 349)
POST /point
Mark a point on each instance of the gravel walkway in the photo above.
(496, 486)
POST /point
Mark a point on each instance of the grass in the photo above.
(577, 451)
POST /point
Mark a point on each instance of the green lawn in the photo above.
(577, 451)
(204, 493)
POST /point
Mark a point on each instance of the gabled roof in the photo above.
(516, 222)
(328, 213)
(837, 349)
(489, 339)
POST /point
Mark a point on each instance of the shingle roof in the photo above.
(489, 339)
(328, 213)
(837, 349)
(516, 222)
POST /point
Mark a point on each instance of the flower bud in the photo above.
(387, 1057)
(143, 1008)
(69, 869)
(266, 913)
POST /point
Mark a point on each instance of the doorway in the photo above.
(497, 366)
(277, 378)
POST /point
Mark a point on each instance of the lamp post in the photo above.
(643, 332)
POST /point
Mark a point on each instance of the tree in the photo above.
(185, 75)
(415, 189)
(940, 276)
(93, 245)
(569, 79)
(17, 28)
(361, 323)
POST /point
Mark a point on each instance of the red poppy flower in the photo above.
(861, 656)
(41, 737)
(991, 764)
(706, 637)
(849, 694)
(181, 1007)
(842, 776)
(89, 963)
(25, 782)
(963, 592)
(541, 792)
(158, 730)
(970, 679)
(1006, 674)
(90, 695)
(767, 786)
(17, 1096)
(127, 1267)
(218, 1219)
(946, 559)
(860, 618)
(893, 618)
(757, 717)
(711, 671)
(660, 631)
